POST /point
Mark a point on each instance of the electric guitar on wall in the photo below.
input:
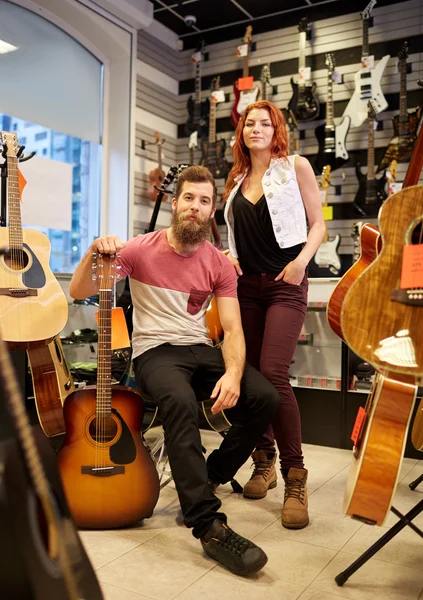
(304, 103)
(244, 97)
(367, 80)
(33, 305)
(198, 109)
(405, 124)
(108, 475)
(332, 150)
(326, 261)
(213, 151)
(265, 81)
(371, 192)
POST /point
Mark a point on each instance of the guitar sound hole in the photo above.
(103, 430)
(417, 234)
(15, 259)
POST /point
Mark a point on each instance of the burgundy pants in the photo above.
(273, 313)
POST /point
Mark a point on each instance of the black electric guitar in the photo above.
(371, 192)
(332, 150)
(213, 151)
(405, 124)
(43, 555)
(198, 109)
(304, 103)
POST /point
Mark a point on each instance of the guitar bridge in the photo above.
(103, 471)
(410, 297)
(18, 292)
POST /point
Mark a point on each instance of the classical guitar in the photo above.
(246, 96)
(43, 556)
(108, 475)
(304, 103)
(367, 79)
(33, 305)
(332, 150)
(52, 383)
(371, 192)
(157, 175)
(198, 109)
(405, 124)
(213, 150)
(326, 261)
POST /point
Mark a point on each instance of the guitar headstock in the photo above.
(330, 61)
(215, 84)
(403, 53)
(303, 25)
(365, 15)
(10, 140)
(105, 270)
(248, 37)
(158, 138)
(265, 74)
(325, 179)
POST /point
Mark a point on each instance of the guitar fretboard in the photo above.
(104, 368)
(14, 206)
(329, 103)
(403, 114)
(371, 151)
(365, 49)
(302, 57)
(212, 124)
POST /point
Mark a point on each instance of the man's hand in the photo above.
(226, 391)
(108, 244)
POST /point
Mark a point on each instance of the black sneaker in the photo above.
(234, 552)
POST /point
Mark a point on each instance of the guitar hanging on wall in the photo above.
(156, 176)
(304, 103)
(367, 79)
(371, 192)
(326, 261)
(405, 124)
(33, 306)
(213, 151)
(332, 150)
(245, 95)
(198, 109)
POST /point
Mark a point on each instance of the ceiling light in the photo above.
(5, 47)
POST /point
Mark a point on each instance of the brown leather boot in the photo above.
(294, 511)
(264, 476)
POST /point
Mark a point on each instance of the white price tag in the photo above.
(197, 57)
(368, 61)
(304, 74)
(395, 187)
(242, 50)
(337, 77)
(218, 96)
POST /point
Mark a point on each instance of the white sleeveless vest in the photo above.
(285, 204)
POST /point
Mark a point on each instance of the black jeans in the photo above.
(176, 378)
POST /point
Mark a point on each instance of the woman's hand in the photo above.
(293, 273)
(234, 261)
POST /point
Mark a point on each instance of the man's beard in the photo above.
(187, 232)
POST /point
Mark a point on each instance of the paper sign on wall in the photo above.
(218, 96)
(304, 73)
(197, 57)
(327, 213)
(368, 61)
(246, 83)
(242, 50)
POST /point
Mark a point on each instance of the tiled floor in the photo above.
(161, 560)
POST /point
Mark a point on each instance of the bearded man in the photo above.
(173, 275)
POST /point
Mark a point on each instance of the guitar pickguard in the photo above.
(35, 276)
(124, 451)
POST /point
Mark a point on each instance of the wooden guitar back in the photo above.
(384, 333)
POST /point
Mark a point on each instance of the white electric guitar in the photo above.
(327, 256)
(367, 80)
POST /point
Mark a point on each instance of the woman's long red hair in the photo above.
(241, 154)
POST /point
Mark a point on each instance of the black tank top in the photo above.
(258, 250)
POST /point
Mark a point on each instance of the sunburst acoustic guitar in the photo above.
(33, 305)
(108, 475)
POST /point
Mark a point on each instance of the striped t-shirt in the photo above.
(171, 292)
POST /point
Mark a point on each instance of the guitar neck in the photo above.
(104, 368)
(245, 68)
(14, 204)
(365, 47)
(212, 123)
(159, 157)
(329, 103)
(197, 83)
(371, 151)
(302, 57)
(403, 113)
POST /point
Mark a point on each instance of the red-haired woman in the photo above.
(269, 198)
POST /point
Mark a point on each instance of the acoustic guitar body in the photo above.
(41, 313)
(370, 246)
(28, 572)
(109, 478)
(380, 322)
(373, 475)
(417, 431)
